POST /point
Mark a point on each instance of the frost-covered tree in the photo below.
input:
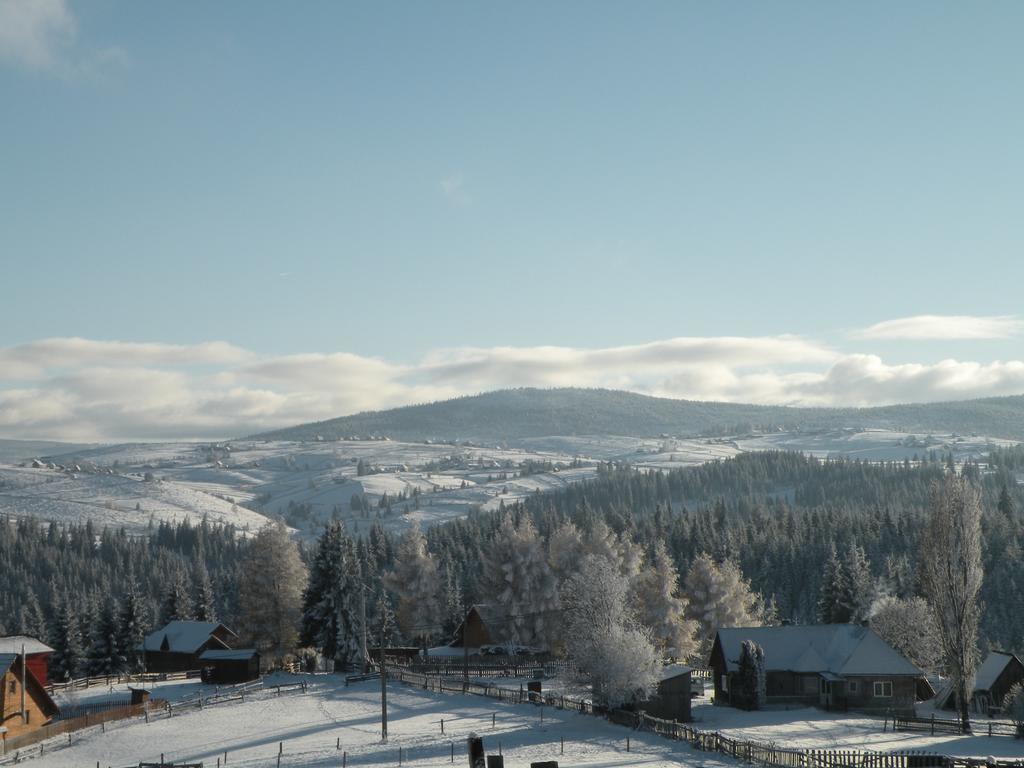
(951, 576)
(385, 623)
(909, 626)
(565, 550)
(270, 590)
(31, 620)
(522, 582)
(453, 605)
(417, 583)
(719, 596)
(662, 609)
(330, 609)
(1013, 705)
(860, 585)
(602, 636)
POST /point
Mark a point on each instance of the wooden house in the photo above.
(483, 625)
(24, 703)
(230, 666)
(672, 699)
(992, 682)
(36, 652)
(833, 666)
(178, 646)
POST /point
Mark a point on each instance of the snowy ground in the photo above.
(816, 729)
(311, 725)
(191, 480)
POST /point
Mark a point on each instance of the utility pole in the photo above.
(383, 689)
(24, 684)
(465, 657)
(363, 654)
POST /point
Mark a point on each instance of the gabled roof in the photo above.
(184, 636)
(841, 649)
(13, 643)
(6, 660)
(673, 670)
(991, 669)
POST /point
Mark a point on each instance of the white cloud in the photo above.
(82, 389)
(944, 327)
(42, 36)
(34, 33)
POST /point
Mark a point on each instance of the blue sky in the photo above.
(364, 204)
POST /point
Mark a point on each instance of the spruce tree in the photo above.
(330, 603)
(103, 654)
(66, 640)
(177, 603)
(132, 625)
(202, 593)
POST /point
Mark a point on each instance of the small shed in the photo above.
(992, 682)
(483, 625)
(230, 666)
(672, 700)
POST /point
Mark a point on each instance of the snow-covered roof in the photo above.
(991, 669)
(183, 636)
(13, 643)
(842, 649)
(673, 670)
(240, 654)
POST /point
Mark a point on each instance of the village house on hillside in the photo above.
(178, 646)
(36, 652)
(484, 625)
(23, 708)
(992, 682)
(835, 666)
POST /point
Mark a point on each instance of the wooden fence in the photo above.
(935, 725)
(108, 680)
(760, 753)
(59, 727)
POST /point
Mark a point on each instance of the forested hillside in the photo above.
(790, 523)
(518, 413)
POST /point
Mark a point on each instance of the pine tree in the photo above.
(31, 621)
(177, 603)
(750, 689)
(132, 624)
(1005, 503)
(454, 607)
(832, 607)
(202, 592)
(330, 620)
(66, 640)
(103, 653)
(860, 584)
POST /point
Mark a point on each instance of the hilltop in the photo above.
(523, 413)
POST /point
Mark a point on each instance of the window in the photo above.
(13, 687)
(853, 686)
(725, 683)
(883, 689)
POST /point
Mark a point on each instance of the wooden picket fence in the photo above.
(760, 753)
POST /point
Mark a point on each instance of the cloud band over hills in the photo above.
(81, 389)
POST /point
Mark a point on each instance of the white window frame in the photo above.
(880, 689)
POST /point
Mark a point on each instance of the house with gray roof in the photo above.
(833, 666)
(997, 673)
(177, 646)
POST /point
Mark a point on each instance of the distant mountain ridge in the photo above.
(521, 413)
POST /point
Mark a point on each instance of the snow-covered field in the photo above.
(307, 483)
(311, 725)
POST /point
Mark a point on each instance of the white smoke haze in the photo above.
(88, 390)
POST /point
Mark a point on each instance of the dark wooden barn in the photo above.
(483, 625)
(37, 653)
(178, 646)
(672, 700)
(230, 666)
(997, 673)
(833, 666)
